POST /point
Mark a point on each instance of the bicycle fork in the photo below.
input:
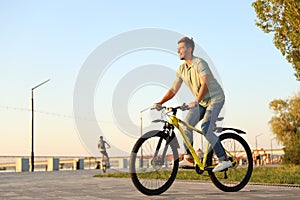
(170, 138)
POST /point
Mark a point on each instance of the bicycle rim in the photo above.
(153, 174)
(236, 177)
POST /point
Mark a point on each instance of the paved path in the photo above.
(82, 185)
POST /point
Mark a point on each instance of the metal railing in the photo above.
(62, 163)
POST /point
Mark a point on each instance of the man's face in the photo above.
(182, 51)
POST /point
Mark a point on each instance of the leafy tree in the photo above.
(282, 17)
(285, 125)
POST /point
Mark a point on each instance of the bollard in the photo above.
(22, 165)
(53, 164)
(78, 164)
(123, 163)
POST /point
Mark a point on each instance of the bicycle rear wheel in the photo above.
(153, 163)
(236, 177)
(104, 168)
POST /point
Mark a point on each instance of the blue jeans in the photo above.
(209, 116)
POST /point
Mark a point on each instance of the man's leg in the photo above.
(107, 159)
(208, 125)
(103, 156)
(193, 117)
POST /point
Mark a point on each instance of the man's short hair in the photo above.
(189, 42)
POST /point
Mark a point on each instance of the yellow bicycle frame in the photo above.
(175, 121)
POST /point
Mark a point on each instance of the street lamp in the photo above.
(32, 124)
(141, 131)
(256, 140)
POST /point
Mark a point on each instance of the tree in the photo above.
(282, 17)
(285, 125)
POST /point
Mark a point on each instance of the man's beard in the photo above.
(183, 56)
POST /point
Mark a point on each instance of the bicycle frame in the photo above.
(201, 164)
(175, 121)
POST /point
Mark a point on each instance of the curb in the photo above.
(276, 184)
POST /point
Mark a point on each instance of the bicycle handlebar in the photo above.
(183, 107)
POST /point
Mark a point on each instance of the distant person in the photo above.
(254, 158)
(200, 154)
(264, 158)
(102, 148)
(257, 158)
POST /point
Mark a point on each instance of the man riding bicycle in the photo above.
(102, 148)
(209, 100)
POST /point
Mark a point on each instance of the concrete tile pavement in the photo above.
(81, 184)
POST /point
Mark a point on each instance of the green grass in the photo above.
(285, 174)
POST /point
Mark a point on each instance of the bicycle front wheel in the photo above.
(153, 163)
(237, 176)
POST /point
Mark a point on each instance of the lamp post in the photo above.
(141, 131)
(32, 124)
(256, 140)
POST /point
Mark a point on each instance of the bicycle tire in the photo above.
(152, 177)
(104, 168)
(240, 173)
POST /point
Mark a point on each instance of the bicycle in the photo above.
(154, 158)
(104, 164)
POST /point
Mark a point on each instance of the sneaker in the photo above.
(187, 162)
(222, 165)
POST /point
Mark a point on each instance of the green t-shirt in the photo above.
(191, 77)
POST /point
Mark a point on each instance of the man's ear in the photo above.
(190, 49)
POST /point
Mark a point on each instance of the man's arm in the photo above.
(171, 92)
(107, 144)
(204, 80)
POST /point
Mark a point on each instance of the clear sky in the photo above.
(42, 40)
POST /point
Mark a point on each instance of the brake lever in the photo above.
(184, 107)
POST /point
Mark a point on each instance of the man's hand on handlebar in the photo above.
(157, 106)
(193, 104)
(184, 107)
